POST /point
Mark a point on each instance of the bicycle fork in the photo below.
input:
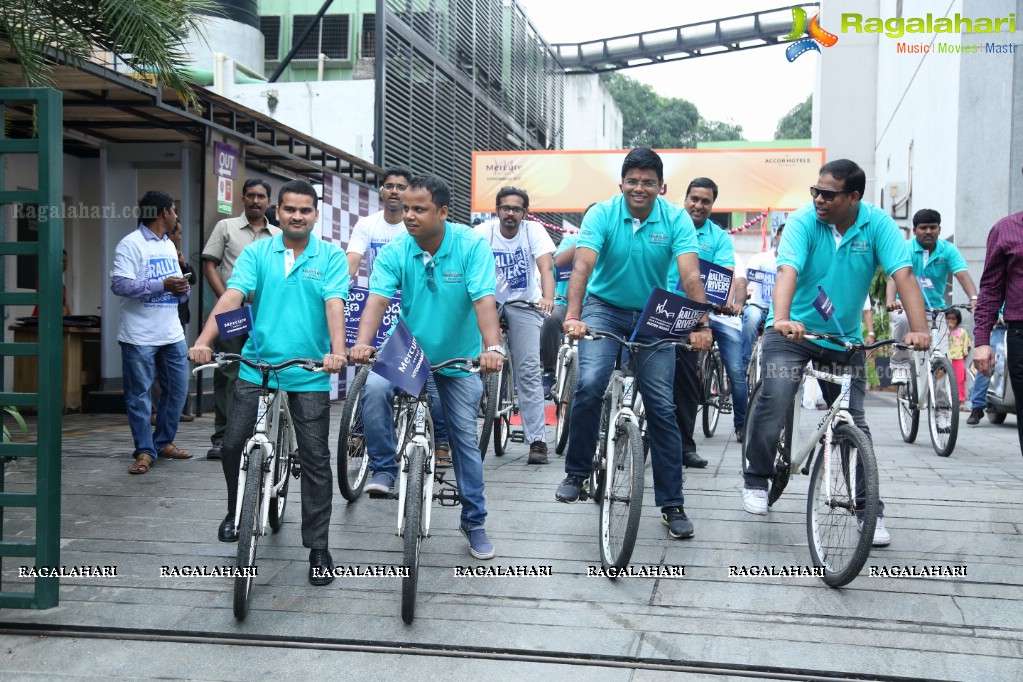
(418, 440)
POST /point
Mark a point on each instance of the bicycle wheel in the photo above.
(488, 408)
(352, 460)
(412, 533)
(568, 379)
(909, 407)
(505, 407)
(286, 452)
(598, 475)
(843, 487)
(248, 531)
(783, 453)
(712, 393)
(943, 407)
(622, 503)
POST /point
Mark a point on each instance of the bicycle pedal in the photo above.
(518, 437)
(382, 496)
(447, 498)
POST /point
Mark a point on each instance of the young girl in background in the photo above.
(959, 347)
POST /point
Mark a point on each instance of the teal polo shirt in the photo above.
(561, 288)
(944, 260)
(714, 246)
(290, 311)
(845, 271)
(631, 263)
(442, 320)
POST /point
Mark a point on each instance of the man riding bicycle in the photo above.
(624, 249)
(300, 284)
(525, 274)
(827, 257)
(933, 260)
(446, 276)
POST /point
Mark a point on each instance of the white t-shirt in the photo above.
(370, 235)
(518, 278)
(149, 321)
(734, 321)
(764, 262)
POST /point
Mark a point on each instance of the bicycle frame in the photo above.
(922, 361)
(837, 413)
(419, 410)
(264, 436)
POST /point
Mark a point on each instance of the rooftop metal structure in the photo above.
(702, 39)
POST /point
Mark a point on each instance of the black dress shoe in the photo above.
(213, 453)
(975, 416)
(227, 531)
(693, 460)
(321, 567)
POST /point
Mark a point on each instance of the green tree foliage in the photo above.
(146, 35)
(648, 119)
(795, 125)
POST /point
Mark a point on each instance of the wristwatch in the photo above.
(495, 349)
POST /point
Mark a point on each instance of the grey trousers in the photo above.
(224, 381)
(310, 413)
(524, 338)
(783, 363)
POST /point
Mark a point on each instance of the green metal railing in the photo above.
(47, 147)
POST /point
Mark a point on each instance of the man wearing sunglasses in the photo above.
(525, 292)
(445, 272)
(831, 247)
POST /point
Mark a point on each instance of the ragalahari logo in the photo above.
(817, 35)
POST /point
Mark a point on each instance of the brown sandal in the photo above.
(443, 460)
(172, 451)
(141, 464)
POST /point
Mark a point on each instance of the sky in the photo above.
(753, 88)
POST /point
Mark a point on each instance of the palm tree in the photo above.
(146, 35)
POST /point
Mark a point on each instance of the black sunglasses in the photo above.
(826, 194)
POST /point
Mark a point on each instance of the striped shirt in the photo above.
(1002, 281)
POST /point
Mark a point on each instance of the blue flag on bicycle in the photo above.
(401, 360)
(716, 281)
(826, 308)
(235, 322)
(563, 273)
(668, 314)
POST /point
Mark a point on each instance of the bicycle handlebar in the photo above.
(942, 311)
(852, 345)
(221, 359)
(595, 334)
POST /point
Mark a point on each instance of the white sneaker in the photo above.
(754, 501)
(900, 375)
(882, 538)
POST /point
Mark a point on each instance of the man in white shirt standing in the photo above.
(765, 265)
(147, 277)
(525, 275)
(371, 233)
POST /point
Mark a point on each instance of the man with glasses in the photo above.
(525, 275)
(625, 247)
(371, 233)
(933, 260)
(830, 248)
(715, 247)
(445, 273)
(222, 249)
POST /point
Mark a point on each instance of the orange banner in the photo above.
(569, 181)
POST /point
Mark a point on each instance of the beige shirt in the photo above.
(229, 237)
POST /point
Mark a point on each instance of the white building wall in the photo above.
(339, 113)
(845, 94)
(592, 119)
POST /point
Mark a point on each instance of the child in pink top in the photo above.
(959, 347)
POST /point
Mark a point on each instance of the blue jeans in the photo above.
(730, 344)
(459, 400)
(752, 318)
(783, 363)
(140, 365)
(656, 372)
(978, 396)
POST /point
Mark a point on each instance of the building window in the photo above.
(329, 37)
(270, 27)
(369, 34)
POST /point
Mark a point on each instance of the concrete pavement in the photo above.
(956, 511)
